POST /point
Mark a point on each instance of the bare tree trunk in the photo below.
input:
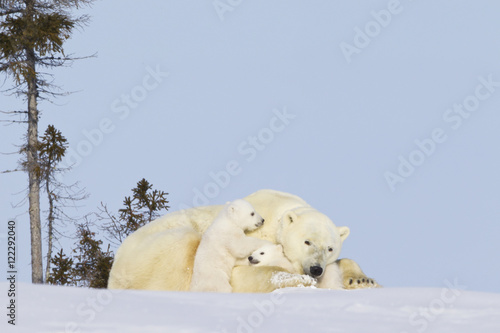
(33, 166)
(50, 227)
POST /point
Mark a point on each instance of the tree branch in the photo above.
(10, 122)
(9, 171)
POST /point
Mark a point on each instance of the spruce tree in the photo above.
(142, 207)
(92, 265)
(51, 149)
(86, 253)
(62, 271)
(32, 34)
(101, 271)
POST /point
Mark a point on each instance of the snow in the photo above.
(41, 308)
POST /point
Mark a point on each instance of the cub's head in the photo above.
(266, 255)
(310, 240)
(243, 214)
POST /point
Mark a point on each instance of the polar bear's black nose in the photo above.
(316, 270)
(262, 221)
(250, 258)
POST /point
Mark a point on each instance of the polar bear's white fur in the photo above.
(310, 240)
(222, 244)
(160, 255)
(268, 255)
(332, 278)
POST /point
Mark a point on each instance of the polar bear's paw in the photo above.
(359, 282)
(289, 280)
(353, 277)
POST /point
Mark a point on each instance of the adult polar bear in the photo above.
(160, 255)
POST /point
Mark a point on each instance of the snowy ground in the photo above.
(387, 310)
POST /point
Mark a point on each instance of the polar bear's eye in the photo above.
(330, 249)
(252, 214)
(262, 253)
(307, 242)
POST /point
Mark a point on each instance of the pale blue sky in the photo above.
(269, 94)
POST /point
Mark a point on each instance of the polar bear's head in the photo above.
(266, 255)
(242, 213)
(310, 240)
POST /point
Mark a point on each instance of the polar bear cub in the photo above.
(222, 244)
(269, 255)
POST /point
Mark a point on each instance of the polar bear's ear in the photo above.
(231, 208)
(279, 247)
(289, 217)
(343, 232)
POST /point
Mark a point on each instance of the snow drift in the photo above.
(67, 309)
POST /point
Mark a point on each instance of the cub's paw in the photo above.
(359, 282)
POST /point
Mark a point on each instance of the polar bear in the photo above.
(274, 271)
(310, 240)
(272, 255)
(160, 255)
(268, 255)
(304, 234)
(222, 244)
